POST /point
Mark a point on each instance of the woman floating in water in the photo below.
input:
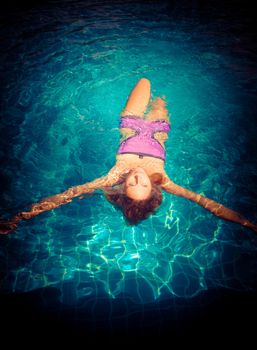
(135, 183)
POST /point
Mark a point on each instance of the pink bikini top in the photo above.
(143, 143)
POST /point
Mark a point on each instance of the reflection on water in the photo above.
(67, 73)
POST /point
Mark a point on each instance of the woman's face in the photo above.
(138, 185)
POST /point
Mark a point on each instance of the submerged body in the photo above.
(140, 157)
(142, 146)
(142, 154)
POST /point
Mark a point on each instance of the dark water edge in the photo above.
(219, 8)
(215, 316)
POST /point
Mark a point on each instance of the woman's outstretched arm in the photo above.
(53, 202)
(65, 197)
(209, 204)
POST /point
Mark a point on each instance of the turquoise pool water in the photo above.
(67, 72)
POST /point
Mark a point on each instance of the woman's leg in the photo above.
(125, 133)
(159, 112)
(138, 99)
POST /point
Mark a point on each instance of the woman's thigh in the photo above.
(126, 132)
(158, 110)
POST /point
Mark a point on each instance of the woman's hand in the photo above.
(250, 225)
(7, 226)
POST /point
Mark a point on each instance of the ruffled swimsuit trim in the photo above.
(143, 143)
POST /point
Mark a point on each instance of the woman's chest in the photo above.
(150, 164)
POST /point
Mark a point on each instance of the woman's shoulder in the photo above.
(114, 174)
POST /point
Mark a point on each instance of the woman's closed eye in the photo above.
(144, 185)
